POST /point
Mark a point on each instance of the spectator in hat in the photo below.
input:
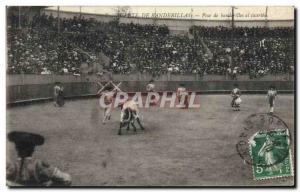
(29, 171)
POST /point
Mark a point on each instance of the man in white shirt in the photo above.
(182, 95)
(150, 87)
(108, 95)
(235, 94)
(272, 93)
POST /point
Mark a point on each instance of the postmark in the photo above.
(266, 128)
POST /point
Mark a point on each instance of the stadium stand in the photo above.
(47, 45)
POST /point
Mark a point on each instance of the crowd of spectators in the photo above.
(47, 45)
(242, 32)
(33, 51)
(256, 51)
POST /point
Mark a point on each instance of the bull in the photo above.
(129, 114)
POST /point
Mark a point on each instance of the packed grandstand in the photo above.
(40, 48)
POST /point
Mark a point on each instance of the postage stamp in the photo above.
(265, 145)
(271, 155)
(258, 123)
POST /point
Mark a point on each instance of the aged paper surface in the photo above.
(150, 96)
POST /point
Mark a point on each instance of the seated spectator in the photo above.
(45, 71)
(128, 48)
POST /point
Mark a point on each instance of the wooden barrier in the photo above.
(34, 92)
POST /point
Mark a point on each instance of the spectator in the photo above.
(140, 48)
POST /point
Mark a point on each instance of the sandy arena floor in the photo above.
(194, 147)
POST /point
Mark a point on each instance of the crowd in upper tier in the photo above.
(46, 45)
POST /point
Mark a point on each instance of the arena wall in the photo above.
(24, 88)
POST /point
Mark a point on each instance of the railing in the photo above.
(35, 88)
(49, 79)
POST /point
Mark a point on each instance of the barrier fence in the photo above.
(23, 88)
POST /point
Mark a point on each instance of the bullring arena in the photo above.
(179, 147)
(68, 53)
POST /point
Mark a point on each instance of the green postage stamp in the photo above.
(271, 154)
